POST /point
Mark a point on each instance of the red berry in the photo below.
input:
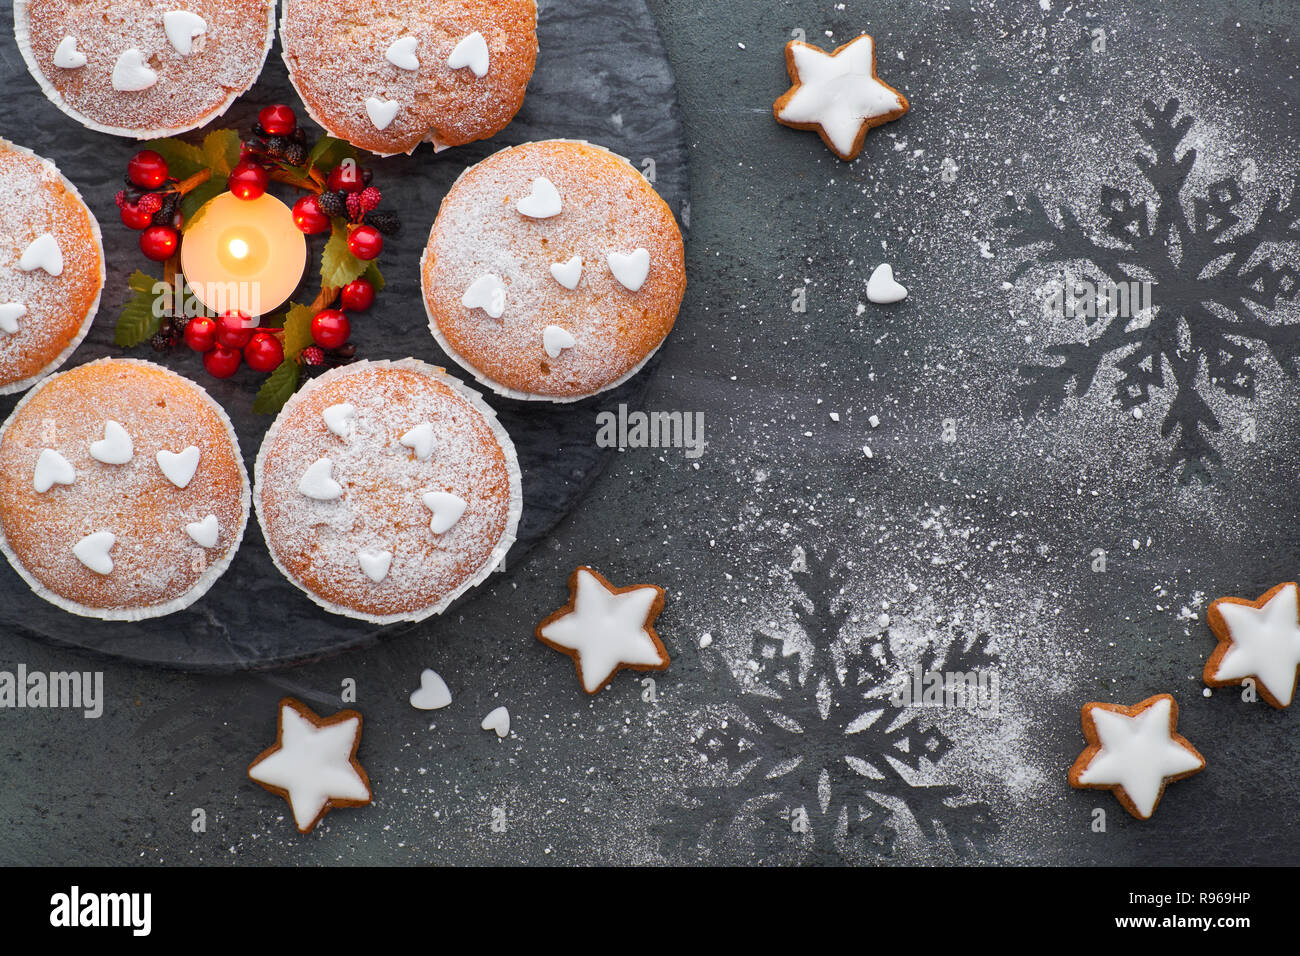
(133, 217)
(263, 353)
(248, 180)
(278, 120)
(234, 329)
(150, 203)
(370, 197)
(201, 333)
(159, 243)
(330, 328)
(357, 296)
(147, 169)
(221, 362)
(366, 242)
(312, 355)
(308, 217)
(346, 177)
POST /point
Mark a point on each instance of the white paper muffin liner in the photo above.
(514, 507)
(103, 278)
(22, 34)
(482, 377)
(214, 570)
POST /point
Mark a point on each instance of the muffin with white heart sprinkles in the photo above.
(123, 493)
(51, 268)
(144, 68)
(387, 489)
(553, 271)
(389, 76)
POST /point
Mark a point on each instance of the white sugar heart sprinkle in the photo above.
(375, 563)
(182, 28)
(318, 481)
(43, 253)
(341, 419)
(204, 533)
(10, 313)
(433, 693)
(115, 447)
(92, 551)
(471, 51)
(52, 469)
(381, 112)
(67, 56)
(487, 293)
(401, 53)
(179, 467)
(881, 287)
(499, 721)
(555, 340)
(543, 202)
(131, 74)
(446, 507)
(420, 440)
(568, 273)
(630, 269)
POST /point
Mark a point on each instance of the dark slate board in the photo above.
(601, 75)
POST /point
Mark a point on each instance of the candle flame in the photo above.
(238, 248)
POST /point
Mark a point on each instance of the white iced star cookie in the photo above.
(837, 94)
(313, 763)
(1134, 751)
(604, 628)
(1257, 639)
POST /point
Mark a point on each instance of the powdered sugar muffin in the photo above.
(387, 489)
(388, 74)
(144, 68)
(51, 268)
(123, 493)
(553, 271)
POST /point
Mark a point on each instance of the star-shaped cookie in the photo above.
(837, 94)
(604, 628)
(313, 763)
(1257, 639)
(1134, 751)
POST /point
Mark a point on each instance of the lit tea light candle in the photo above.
(244, 255)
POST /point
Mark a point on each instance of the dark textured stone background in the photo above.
(995, 528)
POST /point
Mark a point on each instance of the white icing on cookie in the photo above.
(131, 73)
(67, 56)
(630, 269)
(204, 533)
(92, 551)
(381, 112)
(341, 419)
(420, 440)
(182, 28)
(471, 51)
(433, 693)
(318, 482)
(555, 340)
(1137, 753)
(568, 273)
(115, 448)
(52, 469)
(43, 253)
(838, 92)
(543, 202)
(10, 313)
(498, 721)
(375, 563)
(1265, 643)
(401, 53)
(488, 293)
(446, 507)
(179, 467)
(606, 630)
(881, 287)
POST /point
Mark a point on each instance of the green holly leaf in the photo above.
(140, 282)
(183, 159)
(374, 275)
(221, 149)
(195, 202)
(139, 319)
(329, 152)
(297, 329)
(338, 266)
(277, 389)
